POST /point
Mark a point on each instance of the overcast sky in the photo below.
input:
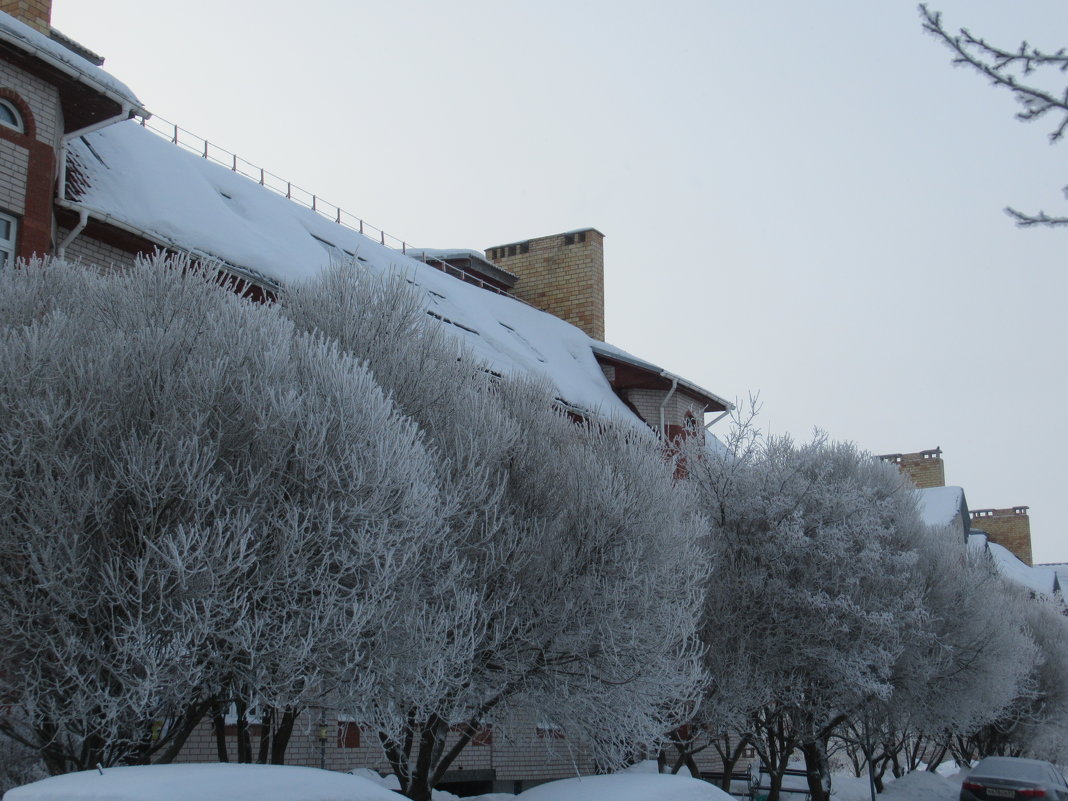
(800, 199)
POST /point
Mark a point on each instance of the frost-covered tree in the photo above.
(572, 567)
(804, 612)
(1032, 723)
(964, 664)
(1026, 72)
(202, 505)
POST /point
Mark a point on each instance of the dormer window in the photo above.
(10, 117)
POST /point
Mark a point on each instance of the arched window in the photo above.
(10, 117)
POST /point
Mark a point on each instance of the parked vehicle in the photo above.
(202, 782)
(1013, 778)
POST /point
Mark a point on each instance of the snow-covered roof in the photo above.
(65, 60)
(1040, 578)
(204, 782)
(130, 177)
(940, 506)
(1060, 570)
(477, 256)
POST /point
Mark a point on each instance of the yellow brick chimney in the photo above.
(35, 13)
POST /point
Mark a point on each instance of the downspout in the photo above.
(61, 181)
(674, 385)
(83, 220)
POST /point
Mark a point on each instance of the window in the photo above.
(9, 228)
(348, 734)
(10, 117)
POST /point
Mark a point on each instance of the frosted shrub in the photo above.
(202, 503)
(571, 569)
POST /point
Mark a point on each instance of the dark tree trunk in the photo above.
(51, 753)
(280, 741)
(819, 785)
(183, 729)
(218, 719)
(244, 741)
(266, 735)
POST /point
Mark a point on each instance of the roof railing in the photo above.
(202, 147)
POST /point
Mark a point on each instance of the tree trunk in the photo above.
(266, 735)
(819, 775)
(244, 742)
(281, 737)
(52, 753)
(190, 720)
(218, 719)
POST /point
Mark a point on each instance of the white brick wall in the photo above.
(95, 252)
(41, 97)
(14, 167)
(647, 402)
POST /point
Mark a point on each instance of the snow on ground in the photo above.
(917, 786)
(203, 782)
(626, 787)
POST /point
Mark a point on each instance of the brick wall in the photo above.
(562, 274)
(1010, 528)
(42, 99)
(925, 468)
(92, 251)
(14, 168)
(518, 751)
(678, 407)
(28, 157)
(35, 13)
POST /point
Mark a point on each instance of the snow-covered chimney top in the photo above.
(35, 13)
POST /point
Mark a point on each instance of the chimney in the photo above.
(925, 469)
(35, 13)
(1010, 528)
(562, 274)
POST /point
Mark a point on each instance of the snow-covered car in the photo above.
(626, 787)
(996, 778)
(203, 782)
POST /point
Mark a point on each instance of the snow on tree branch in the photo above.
(1006, 69)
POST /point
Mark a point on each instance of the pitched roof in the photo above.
(940, 506)
(130, 177)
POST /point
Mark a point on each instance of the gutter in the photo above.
(162, 242)
(70, 70)
(125, 113)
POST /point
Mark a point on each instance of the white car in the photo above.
(625, 787)
(203, 782)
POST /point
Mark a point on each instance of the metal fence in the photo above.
(202, 147)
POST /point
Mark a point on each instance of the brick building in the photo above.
(1008, 528)
(83, 175)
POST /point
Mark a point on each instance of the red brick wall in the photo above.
(29, 194)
